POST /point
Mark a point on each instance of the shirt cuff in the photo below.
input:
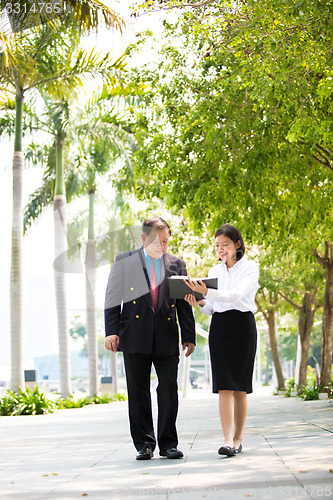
(207, 308)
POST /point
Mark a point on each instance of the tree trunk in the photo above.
(326, 346)
(271, 321)
(305, 324)
(60, 244)
(17, 378)
(90, 300)
(267, 363)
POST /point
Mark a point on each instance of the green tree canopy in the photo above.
(243, 133)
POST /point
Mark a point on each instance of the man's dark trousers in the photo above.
(138, 369)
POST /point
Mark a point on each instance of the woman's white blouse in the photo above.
(237, 287)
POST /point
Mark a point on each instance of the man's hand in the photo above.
(190, 348)
(111, 342)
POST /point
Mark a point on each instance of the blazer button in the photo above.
(169, 319)
(137, 316)
(131, 289)
(172, 305)
(134, 302)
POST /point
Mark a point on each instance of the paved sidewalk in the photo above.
(288, 453)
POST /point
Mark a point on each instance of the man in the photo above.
(140, 321)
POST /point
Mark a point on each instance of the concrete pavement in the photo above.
(87, 452)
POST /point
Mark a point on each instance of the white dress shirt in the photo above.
(237, 287)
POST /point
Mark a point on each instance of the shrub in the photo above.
(330, 388)
(120, 397)
(107, 398)
(312, 376)
(102, 399)
(71, 402)
(26, 402)
(33, 403)
(309, 392)
(8, 403)
(290, 387)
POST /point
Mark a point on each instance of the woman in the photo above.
(233, 333)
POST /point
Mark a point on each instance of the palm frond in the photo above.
(7, 119)
(6, 95)
(90, 14)
(43, 156)
(8, 60)
(7, 102)
(57, 115)
(84, 15)
(52, 59)
(38, 200)
(65, 74)
(7, 125)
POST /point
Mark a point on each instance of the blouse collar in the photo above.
(236, 265)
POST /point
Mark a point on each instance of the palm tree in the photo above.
(90, 272)
(22, 68)
(107, 141)
(58, 114)
(97, 139)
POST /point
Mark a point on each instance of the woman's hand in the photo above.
(196, 286)
(190, 298)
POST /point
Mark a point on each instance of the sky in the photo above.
(39, 315)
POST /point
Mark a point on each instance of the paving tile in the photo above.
(77, 453)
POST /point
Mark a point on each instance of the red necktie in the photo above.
(153, 284)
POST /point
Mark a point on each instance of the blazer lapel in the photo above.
(144, 267)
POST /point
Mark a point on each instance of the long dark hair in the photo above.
(234, 234)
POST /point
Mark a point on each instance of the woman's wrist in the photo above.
(201, 303)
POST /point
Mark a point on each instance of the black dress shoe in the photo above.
(145, 454)
(229, 451)
(239, 449)
(171, 453)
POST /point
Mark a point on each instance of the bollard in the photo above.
(107, 385)
(30, 378)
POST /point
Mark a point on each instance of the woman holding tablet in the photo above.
(233, 333)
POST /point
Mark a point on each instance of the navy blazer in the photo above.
(128, 310)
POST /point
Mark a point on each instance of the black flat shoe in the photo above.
(145, 454)
(227, 450)
(239, 449)
(171, 453)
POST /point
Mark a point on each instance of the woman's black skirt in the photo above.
(232, 345)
